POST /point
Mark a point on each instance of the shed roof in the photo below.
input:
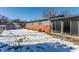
(67, 18)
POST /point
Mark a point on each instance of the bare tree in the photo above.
(48, 12)
(65, 13)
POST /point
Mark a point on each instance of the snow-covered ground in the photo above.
(32, 41)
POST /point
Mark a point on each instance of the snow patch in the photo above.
(33, 41)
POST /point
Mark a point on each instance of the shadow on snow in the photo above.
(41, 47)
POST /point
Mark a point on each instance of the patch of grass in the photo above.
(21, 40)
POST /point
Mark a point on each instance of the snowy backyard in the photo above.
(22, 40)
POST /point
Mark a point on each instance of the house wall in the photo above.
(41, 25)
(10, 26)
(58, 26)
(62, 27)
(78, 28)
(2, 27)
(74, 27)
(53, 26)
(65, 26)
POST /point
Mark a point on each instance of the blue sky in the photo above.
(29, 13)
